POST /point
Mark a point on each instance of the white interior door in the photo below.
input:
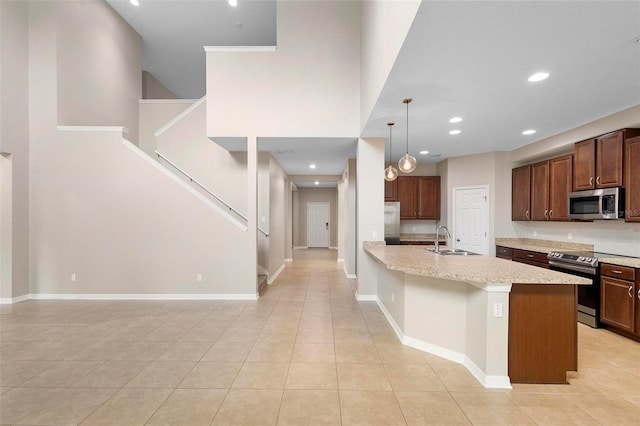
(471, 214)
(318, 225)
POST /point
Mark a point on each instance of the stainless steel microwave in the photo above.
(607, 203)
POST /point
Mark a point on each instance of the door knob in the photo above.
(458, 239)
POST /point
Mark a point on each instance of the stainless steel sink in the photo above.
(454, 252)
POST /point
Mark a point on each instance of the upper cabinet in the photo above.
(598, 162)
(391, 190)
(632, 179)
(521, 193)
(419, 197)
(540, 191)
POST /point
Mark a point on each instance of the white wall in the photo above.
(370, 210)
(384, 27)
(264, 212)
(99, 67)
(153, 116)
(316, 63)
(14, 140)
(124, 225)
(277, 215)
(347, 218)
(316, 195)
(153, 89)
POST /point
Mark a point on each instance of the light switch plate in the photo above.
(497, 310)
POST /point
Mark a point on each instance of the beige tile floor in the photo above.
(304, 353)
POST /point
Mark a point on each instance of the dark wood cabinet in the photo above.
(407, 188)
(560, 177)
(429, 197)
(584, 165)
(391, 190)
(520, 193)
(540, 191)
(632, 179)
(504, 252)
(620, 299)
(419, 197)
(533, 258)
(598, 162)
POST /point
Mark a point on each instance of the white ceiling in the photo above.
(461, 58)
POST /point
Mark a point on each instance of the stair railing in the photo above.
(204, 188)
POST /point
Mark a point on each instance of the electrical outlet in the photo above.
(497, 310)
(264, 219)
(73, 277)
(535, 232)
(413, 229)
(374, 234)
(393, 297)
(570, 236)
(199, 277)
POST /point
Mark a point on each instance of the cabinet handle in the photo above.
(639, 294)
(598, 180)
(546, 214)
(550, 213)
(527, 214)
(615, 271)
(529, 255)
(591, 180)
(630, 291)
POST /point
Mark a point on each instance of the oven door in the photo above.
(588, 294)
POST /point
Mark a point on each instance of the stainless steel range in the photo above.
(583, 264)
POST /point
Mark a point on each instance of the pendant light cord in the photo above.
(408, 127)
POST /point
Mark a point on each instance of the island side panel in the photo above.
(391, 297)
(543, 333)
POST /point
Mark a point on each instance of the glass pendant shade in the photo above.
(407, 163)
(390, 173)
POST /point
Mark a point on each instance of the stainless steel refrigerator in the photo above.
(392, 223)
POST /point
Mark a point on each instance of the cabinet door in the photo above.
(429, 197)
(584, 165)
(407, 188)
(560, 176)
(391, 190)
(540, 191)
(632, 179)
(520, 193)
(609, 160)
(617, 305)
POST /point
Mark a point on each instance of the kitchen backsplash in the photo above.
(607, 236)
(418, 226)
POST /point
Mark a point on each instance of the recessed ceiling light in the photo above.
(528, 132)
(312, 166)
(454, 132)
(455, 120)
(134, 2)
(233, 3)
(435, 155)
(424, 152)
(317, 183)
(539, 76)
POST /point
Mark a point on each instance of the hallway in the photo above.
(304, 353)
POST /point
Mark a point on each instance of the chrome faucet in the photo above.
(437, 240)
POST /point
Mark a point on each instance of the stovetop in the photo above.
(580, 257)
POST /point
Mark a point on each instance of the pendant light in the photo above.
(407, 163)
(390, 173)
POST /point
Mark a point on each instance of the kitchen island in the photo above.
(506, 322)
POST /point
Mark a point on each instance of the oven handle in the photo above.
(577, 268)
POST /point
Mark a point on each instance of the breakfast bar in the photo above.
(506, 322)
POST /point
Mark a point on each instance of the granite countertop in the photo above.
(546, 246)
(421, 237)
(542, 246)
(419, 260)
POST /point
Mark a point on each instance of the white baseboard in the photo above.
(12, 300)
(347, 274)
(366, 297)
(161, 296)
(333, 248)
(300, 248)
(273, 278)
(261, 270)
(493, 382)
(340, 260)
(390, 319)
(288, 260)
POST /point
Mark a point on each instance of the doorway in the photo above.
(471, 218)
(318, 224)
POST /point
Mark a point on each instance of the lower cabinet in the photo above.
(620, 298)
(533, 258)
(504, 252)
